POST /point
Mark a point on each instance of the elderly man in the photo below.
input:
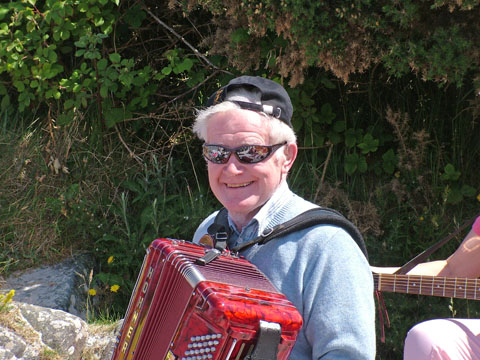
(250, 147)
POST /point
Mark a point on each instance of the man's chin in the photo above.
(242, 209)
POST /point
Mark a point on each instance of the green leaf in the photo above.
(450, 173)
(104, 91)
(68, 104)
(65, 34)
(52, 56)
(166, 70)
(454, 196)
(99, 21)
(339, 126)
(369, 144)
(389, 161)
(350, 138)
(5, 102)
(334, 137)
(65, 118)
(115, 58)
(240, 36)
(351, 163)
(115, 115)
(102, 64)
(139, 81)
(19, 85)
(362, 164)
(185, 65)
(3, 29)
(326, 113)
(468, 191)
(3, 11)
(135, 16)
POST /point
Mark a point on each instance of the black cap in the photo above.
(273, 98)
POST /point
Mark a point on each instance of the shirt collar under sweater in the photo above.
(270, 214)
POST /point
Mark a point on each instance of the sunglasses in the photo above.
(247, 154)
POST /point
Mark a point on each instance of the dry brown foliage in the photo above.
(362, 213)
(411, 152)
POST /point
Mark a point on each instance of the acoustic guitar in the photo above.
(462, 288)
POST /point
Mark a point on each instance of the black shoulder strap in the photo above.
(309, 218)
(219, 230)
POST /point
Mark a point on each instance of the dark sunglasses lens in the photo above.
(252, 153)
(216, 154)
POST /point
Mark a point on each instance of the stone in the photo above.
(62, 286)
(63, 332)
(46, 319)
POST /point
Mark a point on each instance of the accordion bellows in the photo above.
(221, 310)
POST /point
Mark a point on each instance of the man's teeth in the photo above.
(238, 185)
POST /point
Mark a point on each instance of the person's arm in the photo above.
(338, 304)
(464, 262)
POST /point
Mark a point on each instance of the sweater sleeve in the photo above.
(338, 303)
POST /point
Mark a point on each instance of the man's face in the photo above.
(244, 188)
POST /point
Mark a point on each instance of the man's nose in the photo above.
(233, 165)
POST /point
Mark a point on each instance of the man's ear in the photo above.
(291, 151)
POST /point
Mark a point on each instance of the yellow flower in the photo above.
(110, 259)
(5, 299)
(92, 292)
(422, 218)
(114, 288)
(478, 197)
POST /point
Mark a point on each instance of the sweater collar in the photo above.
(270, 214)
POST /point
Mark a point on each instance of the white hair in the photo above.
(279, 131)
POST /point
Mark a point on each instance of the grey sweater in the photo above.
(322, 271)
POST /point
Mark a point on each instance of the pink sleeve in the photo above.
(476, 226)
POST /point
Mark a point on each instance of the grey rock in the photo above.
(11, 345)
(62, 286)
(46, 318)
(102, 341)
(7, 355)
(60, 331)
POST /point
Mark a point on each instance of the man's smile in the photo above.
(239, 185)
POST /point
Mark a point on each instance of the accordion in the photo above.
(183, 308)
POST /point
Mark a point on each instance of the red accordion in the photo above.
(187, 310)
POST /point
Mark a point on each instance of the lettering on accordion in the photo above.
(181, 310)
(133, 323)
